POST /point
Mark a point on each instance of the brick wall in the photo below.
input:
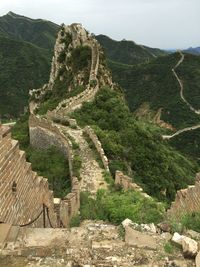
(126, 182)
(22, 191)
(186, 201)
(43, 134)
(91, 134)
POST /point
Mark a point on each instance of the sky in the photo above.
(167, 24)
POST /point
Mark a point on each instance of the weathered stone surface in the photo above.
(138, 239)
(197, 260)
(166, 236)
(177, 238)
(193, 234)
(189, 246)
(127, 222)
(164, 226)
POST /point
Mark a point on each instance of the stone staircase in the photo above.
(91, 173)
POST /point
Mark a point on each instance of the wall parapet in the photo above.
(127, 184)
(25, 198)
(93, 137)
(43, 134)
(186, 201)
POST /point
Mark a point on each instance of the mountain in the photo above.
(153, 92)
(39, 32)
(155, 84)
(194, 51)
(80, 87)
(26, 49)
(22, 66)
(128, 52)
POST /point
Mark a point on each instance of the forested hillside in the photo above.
(128, 52)
(22, 66)
(26, 49)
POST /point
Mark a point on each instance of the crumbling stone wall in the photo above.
(91, 134)
(126, 182)
(186, 201)
(43, 134)
(25, 197)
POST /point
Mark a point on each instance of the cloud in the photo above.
(157, 23)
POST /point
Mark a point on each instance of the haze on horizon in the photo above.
(166, 24)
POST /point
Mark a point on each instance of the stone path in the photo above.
(91, 173)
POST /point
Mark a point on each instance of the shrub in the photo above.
(62, 57)
(117, 206)
(191, 221)
(75, 221)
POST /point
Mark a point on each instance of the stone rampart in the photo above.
(126, 183)
(186, 201)
(25, 198)
(91, 134)
(43, 134)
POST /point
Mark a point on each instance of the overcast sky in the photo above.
(156, 23)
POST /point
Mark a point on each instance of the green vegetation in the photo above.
(52, 98)
(154, 83)
(136, 147)
(26, 49)
(127, 52)
(41, 33)
(191, 143)
(49, 163)
(189, 72)
(80, 61)
(191, 221)
(22, 66)
(52, 164)
(169, 248)
(117, 206)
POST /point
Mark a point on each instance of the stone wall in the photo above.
(43, 134)
(25, 197)
(91, 134)
(186, 201)
(126, 183)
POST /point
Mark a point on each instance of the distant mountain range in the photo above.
(194, 51)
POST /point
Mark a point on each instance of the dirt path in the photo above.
(91, 173)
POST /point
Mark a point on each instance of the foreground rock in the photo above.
(139, 239)
(189, 246)
(93, 244)
(197, 260)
